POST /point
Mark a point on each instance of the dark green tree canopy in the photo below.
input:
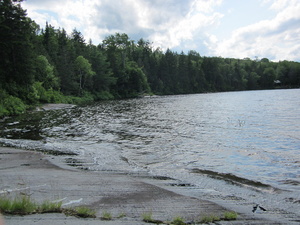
(16, 50)
(43, 65)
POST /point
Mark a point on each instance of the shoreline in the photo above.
(47, 177)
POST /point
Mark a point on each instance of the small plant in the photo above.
(106, 216)
(24, 206)
(147, 217)
(122, 215)
(178, 221)
(84, 212)
(209, 219)
(5, 205)
(19, 205)
(230, 216)
(50, 207)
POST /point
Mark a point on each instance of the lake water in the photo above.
(234, 145)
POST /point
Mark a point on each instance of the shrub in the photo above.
(103, 95)
(13, 105)
(3, 111)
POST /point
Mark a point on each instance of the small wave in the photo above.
(290, 182)
(233, 179)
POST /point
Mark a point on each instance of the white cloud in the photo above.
(179, 25)
(167, 23)
(68, 14)
(278, 38)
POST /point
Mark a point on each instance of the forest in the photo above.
(51, 66)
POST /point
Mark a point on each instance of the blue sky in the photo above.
(227, 28)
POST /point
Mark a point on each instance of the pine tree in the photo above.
(16, 52)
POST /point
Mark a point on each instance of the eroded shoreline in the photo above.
(46, 177)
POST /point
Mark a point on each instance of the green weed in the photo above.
(50, 207)
(81, 211)
(178, 221)
(121, 215)
(209, 219)
(147, 217)
(106, 216)
(20, 205)
(24, 206)
(230, 216)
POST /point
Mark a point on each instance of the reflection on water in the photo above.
(250, 138)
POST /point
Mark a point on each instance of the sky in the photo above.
(252, 29)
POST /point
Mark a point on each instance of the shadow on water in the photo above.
(235, 180)
(26, 126)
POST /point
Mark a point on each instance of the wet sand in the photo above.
(46, 177)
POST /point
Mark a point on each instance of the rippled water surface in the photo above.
(245, 144)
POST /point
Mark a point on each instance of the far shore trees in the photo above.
(46, 65)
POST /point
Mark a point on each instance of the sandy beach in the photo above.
(46, 177)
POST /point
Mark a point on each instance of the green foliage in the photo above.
(106, 216)
(50, 207)
(84, 212)
(44, 73)
(230, 216)
(121, 215)
(24, 206)
(16, 54)
(209, 219)
(20, 205)
(147, 217)
(103, 95)
(84, 72)
(49, 65)
(10, 105)
(47, 96)
(178, 221)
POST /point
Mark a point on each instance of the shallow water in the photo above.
(239, 144)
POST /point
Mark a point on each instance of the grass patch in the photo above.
(106, 216)
(50, 207)
(122, 215)
(213, 218)
(25, 206)
(147, 217)
(178, 221)
(209, 219)
(81, 211)
(230, 216)
(19, 206)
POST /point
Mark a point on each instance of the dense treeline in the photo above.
(49, 65)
